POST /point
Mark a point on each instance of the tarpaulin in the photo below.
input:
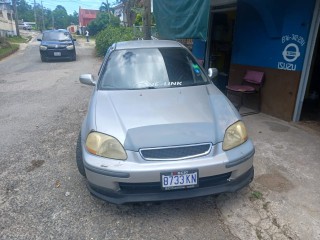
(177, 19)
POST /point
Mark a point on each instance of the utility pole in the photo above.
(147, 19)
(52, 20)
(35, 13)
(108, 12)
(42, 16)
(14, 3)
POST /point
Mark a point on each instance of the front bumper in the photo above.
(49, 54)
(121, 197)
(137, 180)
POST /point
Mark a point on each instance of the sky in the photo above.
(72, 5)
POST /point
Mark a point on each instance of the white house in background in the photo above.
(7, 24)
(120, 13)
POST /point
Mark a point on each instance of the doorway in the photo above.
(221, 41)
(311, 105)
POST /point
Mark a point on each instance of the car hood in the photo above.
(164, 117)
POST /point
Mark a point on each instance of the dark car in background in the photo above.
(57, 44)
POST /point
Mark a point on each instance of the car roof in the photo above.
(147, 44)
(56, 30)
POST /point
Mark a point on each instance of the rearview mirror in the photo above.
(212, 72)
(87, 79)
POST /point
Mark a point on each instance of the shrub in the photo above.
(101, 22)
(111, 35)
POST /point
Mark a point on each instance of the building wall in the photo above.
(7, 26)
(119, 12)
(279, 90)
(271, 36)
(86, 16)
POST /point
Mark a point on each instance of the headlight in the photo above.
(235, 135)
(105, 146)
(43, 48)
(70, 47)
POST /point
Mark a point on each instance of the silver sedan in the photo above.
(158, 129)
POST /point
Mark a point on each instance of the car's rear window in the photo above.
(151, 68)
(56, 36)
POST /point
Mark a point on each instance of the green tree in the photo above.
(43, 15)
(138, 21)
(57, 18)
(25, 11)
(48, 21)
(38, 9)
(131, 8)
(102, 21)
(61, 18)
(105, 7)
(111, 35)
(74, 18)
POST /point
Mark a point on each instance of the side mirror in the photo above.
(87, 79)
(212, 72)
(39, 37)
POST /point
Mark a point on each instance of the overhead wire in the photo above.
(93, 4)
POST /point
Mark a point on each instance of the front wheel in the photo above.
(43, 59)
(74, 57)
(79, 158)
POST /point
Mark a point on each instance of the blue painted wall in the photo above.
(271, 33)
(199, 48)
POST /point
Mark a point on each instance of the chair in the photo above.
(251, 84)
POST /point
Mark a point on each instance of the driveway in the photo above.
(42, 195)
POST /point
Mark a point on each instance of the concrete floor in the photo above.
(285, 192)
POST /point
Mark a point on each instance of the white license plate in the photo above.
(179, 179)
(57, 54)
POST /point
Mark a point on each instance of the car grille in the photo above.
(57, 46)
(155, 187)
(176, 152)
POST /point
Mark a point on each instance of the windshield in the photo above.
(151, 68)
(56, 36)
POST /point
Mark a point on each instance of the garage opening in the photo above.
(311, 105)
(222, 32)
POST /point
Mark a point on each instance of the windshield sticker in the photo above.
(196, 69)
(157, 84)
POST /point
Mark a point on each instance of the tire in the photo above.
(43, 59)
(79, 158)
(74, 57)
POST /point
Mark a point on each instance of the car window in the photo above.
(110, 49)
(151, 68)
(56, 36)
